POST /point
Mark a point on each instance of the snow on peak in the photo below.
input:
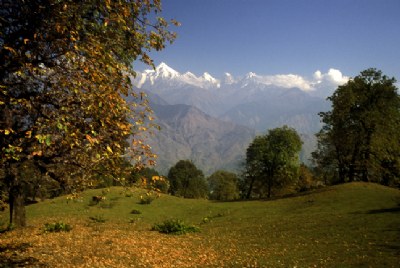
(166, 77)
(164, 71)
(229, 79)
(189, 75)
(206, 76)
(251, 75)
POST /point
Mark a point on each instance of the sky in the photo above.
(271, 37)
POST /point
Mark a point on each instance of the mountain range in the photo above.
(212, 121)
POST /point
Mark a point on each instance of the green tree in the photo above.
(360, 139)
(66, 99)
(187, 181)
(223, 186)
(272, 160)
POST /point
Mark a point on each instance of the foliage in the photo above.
(153, 191)
(175, 227)
(272, 160)
(96, 200)
(155, 183)
(306, 179)
(66, 99)
(187, 181)
(135, 211)
(148, 198)
(223, 186)
(360, 138)
(57, 227)
(137, 175)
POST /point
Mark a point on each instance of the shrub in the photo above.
(135, 211)
(96, 200)
(305, 180)
(148, 198)
(174, 227)
(57, 227)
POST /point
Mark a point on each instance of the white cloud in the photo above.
(318, 75)
(288, 81)
(333, 76)
(325, 84)
(331, 79)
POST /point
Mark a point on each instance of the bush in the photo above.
(57, 227)
(306, 179)
(174, 227)
(135, 211)
(96, 200)
(148, 198)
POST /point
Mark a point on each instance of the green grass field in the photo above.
(351, 225)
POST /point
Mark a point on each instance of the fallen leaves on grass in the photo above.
(109, 246)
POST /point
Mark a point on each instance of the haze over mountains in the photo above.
(212, 121)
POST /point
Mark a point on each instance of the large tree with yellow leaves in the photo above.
(66, 99)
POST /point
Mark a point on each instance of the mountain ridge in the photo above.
(188, 133)
(197, 106)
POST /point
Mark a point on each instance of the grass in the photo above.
(350, 225)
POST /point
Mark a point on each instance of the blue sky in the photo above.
(283, 36)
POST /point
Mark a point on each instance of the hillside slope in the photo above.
(351, 225)
(188, 133)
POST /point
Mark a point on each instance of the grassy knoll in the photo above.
(351, 225)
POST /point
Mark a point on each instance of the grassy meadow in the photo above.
(350, 225)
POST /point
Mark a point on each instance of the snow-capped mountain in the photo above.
(166, 77)
(258, 102)
(169, 77)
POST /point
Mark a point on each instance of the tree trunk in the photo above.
(269, 189)
(270, 181)
(16, 198)
(17, 207)
(250, 188)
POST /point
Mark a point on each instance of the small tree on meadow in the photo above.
(272, 160)
(223, 186)
(187, 181)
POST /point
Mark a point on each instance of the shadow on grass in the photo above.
(384, 210)
(277, 197)
(9, 256)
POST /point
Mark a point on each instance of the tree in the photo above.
(223, 186)
(273, 159)
(306, 179)
(187, 181)
(151, 179)
(66, 99)
(360, 138)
